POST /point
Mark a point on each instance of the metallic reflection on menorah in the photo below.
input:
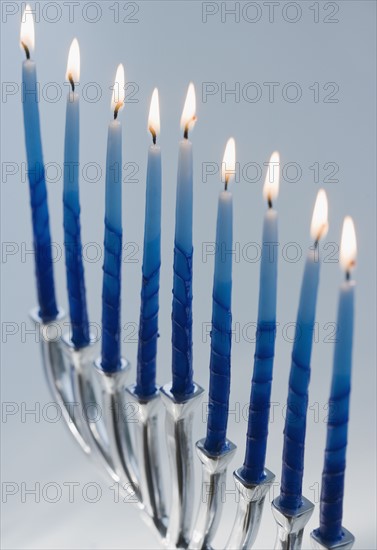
(132, 458)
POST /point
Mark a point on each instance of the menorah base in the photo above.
(345, 543)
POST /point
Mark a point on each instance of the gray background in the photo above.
(168, 46)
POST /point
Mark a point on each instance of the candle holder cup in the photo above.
(344, 543)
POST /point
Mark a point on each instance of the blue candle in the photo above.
(148, 326)
(111, 355)
(36, 174)
(257, 433)
(182, 384)
(221, 333)
(331, 507)
(72, 230)
(297, 403)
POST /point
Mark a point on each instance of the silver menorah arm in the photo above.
(214, 469)
(346, 542)
(178, 424)
(57, 374)
(113, 442)
(291, 525)
(145, 413)
(78, 365)
(251, 499)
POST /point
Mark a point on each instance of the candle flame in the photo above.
(271, 183)
(117, 100)
(154, 115)
(73, 64)
(188, 117)
(228, 166)
(320, 224)
(348, 245)
(27, 35)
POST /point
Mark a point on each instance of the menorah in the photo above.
(130, 453)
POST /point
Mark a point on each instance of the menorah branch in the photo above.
(58, 375)
(179, 418)
(214, 469)
(147, 455)
(291, 525)
(251, 499)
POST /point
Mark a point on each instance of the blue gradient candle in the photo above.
(259, 409)
(221, 333)
(37, 184)
(182, 372)
(297, 403)
(331, 507)
(148, 325)
(72, 231)
(111, 289)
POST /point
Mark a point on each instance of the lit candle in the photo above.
(221, 332)
(183, 252)
(148, 325)
(72, 231)
(255, 457)
(331, 507)
(36, 174)
(111, 358)
(297, 403)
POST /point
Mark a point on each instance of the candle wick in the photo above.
(269, 202)
(316, 244)
(154, 135)
(116, 110)
(71, 82)
(186, 131)
(348, 275)
(27, 51)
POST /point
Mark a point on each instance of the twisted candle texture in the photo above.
(182, 323)
(148, 335)
(219, 388)
(111, 299)
(75, 275)
(297, 402)
(331, 508)
(38, 195)
(257, 433)
(295, 428)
